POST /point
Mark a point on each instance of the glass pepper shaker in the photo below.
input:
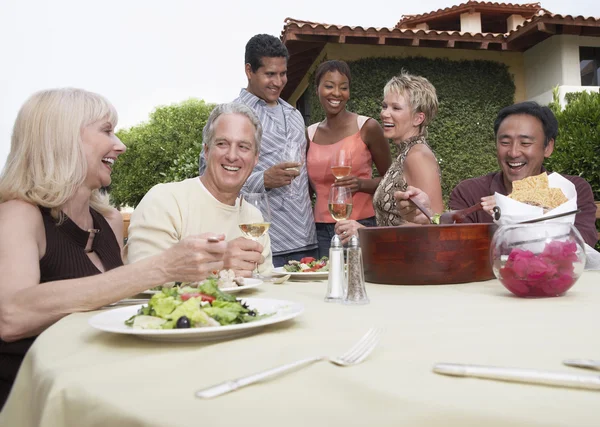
(335, 283)
(356, 292)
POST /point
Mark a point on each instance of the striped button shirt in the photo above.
(292, 223)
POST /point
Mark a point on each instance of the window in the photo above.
(589, 66)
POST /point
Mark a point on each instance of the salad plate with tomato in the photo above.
(248, 283)
(195, 314)
(307, 268)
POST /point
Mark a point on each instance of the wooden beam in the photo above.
(415, 42)
(291, 37)
(301, 47)
(450, 44)
(342, 38)
(546, 28)
(571, 30)
(308, 54)
(381, 40)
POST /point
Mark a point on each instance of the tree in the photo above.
(164, 149)
(577, 146)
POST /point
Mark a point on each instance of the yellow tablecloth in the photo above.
(77, 376)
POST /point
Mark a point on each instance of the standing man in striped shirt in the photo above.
(292, 231)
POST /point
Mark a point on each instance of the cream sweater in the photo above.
(170, 212)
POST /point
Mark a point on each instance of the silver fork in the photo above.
(130, 301)
(354, 356)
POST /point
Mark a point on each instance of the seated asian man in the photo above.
(525, 135)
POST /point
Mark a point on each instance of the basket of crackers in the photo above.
(537, 197)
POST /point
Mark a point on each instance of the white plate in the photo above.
(249, 284)
(114, 321)
(311, 275)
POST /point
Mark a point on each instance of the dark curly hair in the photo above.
(261, 46)
(531, 108)
(334, 65)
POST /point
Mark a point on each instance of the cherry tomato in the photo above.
(185, 297)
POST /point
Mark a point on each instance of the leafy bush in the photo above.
(162, 150)
(577, 147)
(470, 94)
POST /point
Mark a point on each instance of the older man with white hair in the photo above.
(210, 202)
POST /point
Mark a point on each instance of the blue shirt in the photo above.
(292, 222)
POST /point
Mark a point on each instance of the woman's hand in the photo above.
(346, 229)
(408, 210)
(350, 181)
(194, 258)
(489, 203)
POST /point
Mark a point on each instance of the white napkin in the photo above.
(592, 258)
(512, 211)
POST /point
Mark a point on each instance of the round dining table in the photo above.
(75, 375)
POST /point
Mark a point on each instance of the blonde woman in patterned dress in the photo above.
(410, 104)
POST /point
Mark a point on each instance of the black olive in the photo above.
(183, 322)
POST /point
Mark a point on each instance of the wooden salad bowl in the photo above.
(428, 254)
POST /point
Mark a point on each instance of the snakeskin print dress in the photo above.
(393, 180)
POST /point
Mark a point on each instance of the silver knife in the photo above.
(528, 376)
(583, 363)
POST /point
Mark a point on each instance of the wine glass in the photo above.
(294, 153)
(340, 203)
(255, 227)
(341, 163)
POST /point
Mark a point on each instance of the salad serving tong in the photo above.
(528, 376)
(354, 356)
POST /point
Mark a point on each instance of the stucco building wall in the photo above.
(555, 62)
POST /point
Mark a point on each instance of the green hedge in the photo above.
(164, 149)
(577, 147)
(470, 94)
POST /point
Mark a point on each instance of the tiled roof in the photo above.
(478, 5)
(295, 26)
(305, 40)
(295, 29)
(556, 18)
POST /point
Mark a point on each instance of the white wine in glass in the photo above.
(341, 163)
(340, 203)
(254, 230)
(255, 227)
(294, 153)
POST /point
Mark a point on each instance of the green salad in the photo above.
(307, 265)
(187, 307)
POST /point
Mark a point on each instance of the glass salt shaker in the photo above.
(335, 284)
(355, 288)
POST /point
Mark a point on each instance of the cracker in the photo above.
(531, 182)
(534, 190)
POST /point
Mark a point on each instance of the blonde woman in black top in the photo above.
(57, 231)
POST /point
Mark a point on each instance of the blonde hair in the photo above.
(46, 164)
(420, 93)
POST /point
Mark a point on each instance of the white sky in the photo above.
(144, 53)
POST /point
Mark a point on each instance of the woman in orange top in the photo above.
(341, 129)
